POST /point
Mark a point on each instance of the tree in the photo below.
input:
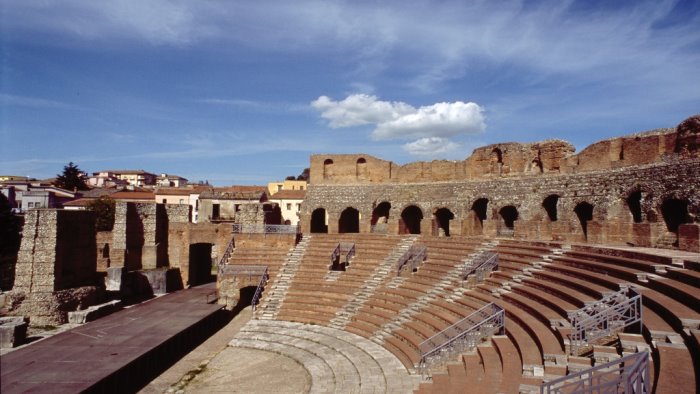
(104, 212)
(290, 178)
(304, 176)
(71, 178)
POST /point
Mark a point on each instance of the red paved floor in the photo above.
(114, 353)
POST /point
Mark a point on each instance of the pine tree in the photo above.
(71, 178)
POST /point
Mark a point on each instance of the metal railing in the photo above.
(479, 267)
(629, 375)
(461, 336)
(259, 289)
(226, 255)
(600, 319)
(412, 258)
(345, 249)
(245, 228)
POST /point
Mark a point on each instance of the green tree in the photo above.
(71, 178)
(304, 176)
(104, 210)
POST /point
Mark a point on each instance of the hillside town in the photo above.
(206, 203)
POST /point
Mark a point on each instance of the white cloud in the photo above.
(398, 120)
(437, 120)
(430, 146)
(359, 109)
(394, 120)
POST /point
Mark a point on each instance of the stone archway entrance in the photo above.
(550, 206)
(584, 212)
(318, 221)
(675, 213)
(349, 221)
(380, 217)
(509, 214)
(410, 220)
(442, 221)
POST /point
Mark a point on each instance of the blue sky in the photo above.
(239, 92)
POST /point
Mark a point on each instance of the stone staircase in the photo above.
(451, 278)
(383, 270)
(270, 306)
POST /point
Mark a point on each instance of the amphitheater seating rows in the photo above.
(536, 283)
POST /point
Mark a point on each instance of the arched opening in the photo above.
(380, 218)
(442, 221)
(497, 155)
(584, 212)
(509, 214)
(550, 206)
(105, 251)
(361, 168)
(327, 169)
(410, 220)
(479, 207)
(349, 221)
(634, 203)
(537, 164)
(199, 270)
(675, 213)
(318, 221)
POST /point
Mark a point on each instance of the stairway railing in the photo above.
(461, 336)
(628, 375)
(607, 315)
(412, 258)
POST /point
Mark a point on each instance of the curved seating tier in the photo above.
(536, 283)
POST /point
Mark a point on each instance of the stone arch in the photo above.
(349, 221)
(550, 206)
(584, 212)
(497, 155)
(327, 168)
(675, 212)
(361, 168)
(480, 208)
(319, 221)
(411, 217)
(634, 203)
(537, 165)
(442, 221)
(200, 263)
(509, 214)
(380, 213)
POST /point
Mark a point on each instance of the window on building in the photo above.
(30, 205)
(289, 206)
(182, 201)
(301, 187)
(298, 207)
(279, 187)
(37, 205)
(165, 201)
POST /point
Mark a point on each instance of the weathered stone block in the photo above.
(13, 331)
(689, 237)
(94, 312)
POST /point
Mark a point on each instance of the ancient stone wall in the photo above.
(608, 192)
(507, 160)
(56, 265)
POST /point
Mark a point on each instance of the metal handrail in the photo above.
(413, 257)
(252, 228)
(484, 262)
(629, 375)
(612, 312)
(226, 255)
(346, 249)
(490, 317)
(258, 290)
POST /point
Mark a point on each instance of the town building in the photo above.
(289, 202)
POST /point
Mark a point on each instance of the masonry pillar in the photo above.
(333, 223)
(689, 237)
(426, 226)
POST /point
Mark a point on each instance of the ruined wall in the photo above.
(140, 236)
(607, 191)
(516, 159)
(56, 265)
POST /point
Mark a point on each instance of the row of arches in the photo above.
(674, 212)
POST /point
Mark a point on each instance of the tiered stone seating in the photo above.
(257, 255)
(317, 294)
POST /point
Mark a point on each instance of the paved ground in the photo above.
(215, 367)
(114, 352)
